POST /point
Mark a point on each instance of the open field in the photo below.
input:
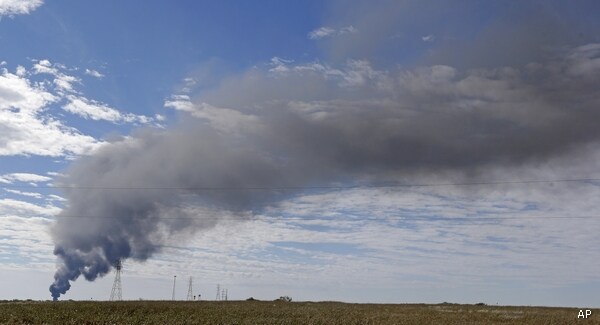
(268, 312)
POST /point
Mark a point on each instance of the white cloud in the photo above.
(16, 207)
(65, 82)
(325, 31)
(25, 128)
(91, 109)
(29, 194)
(18, 7)
(44, 66)
(94, 73)
(180, 103)
(347, 30)
(188, 83)
(223, 119)
(21, 71)
(585, 60)
(80, 105)
(62, 81)
(321, 32)
(24, 177)
(355, 73)
(53, 197)
(428, 38)
(19, 93)
(25, 237)
(279, 65)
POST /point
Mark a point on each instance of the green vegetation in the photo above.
(276, 312)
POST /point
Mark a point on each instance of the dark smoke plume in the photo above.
(267, 133)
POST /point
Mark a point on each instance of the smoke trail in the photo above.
(353, 124)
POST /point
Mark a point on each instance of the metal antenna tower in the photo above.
(190, 295)
(117, 292)
(174, 280)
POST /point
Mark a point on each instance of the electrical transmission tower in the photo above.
(190, 295)
(218, 292)
(117, 292)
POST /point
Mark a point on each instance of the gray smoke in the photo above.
(262, 136)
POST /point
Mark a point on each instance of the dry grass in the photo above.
(265, 312)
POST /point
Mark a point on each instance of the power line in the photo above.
(296, 188)
(345, 218)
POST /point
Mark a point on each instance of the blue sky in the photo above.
(323, 94)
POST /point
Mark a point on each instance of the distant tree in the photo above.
(251, 299)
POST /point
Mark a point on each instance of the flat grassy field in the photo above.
(269, 312)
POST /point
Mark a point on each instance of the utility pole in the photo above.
(117, 292)
(174, 280)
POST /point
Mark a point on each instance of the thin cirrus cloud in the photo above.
(428, 38)
(325, 32)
